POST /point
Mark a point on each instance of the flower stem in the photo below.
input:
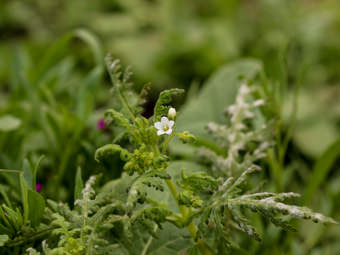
(168, 141)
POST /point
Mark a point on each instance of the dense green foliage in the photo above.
(242, 143)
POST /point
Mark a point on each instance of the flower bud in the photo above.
(186, 137)
(172, 113)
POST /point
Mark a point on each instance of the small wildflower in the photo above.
(164, 126)
(101, 124)
(38, 187)
(172, 113)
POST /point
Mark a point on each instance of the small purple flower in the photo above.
(101, 124)
(38, 187)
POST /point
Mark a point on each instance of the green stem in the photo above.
(205, 143)
(168, 141)
(174, 193)
(10, 171)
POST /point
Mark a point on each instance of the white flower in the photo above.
(164, 126)
(172, 113)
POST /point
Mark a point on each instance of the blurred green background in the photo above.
(54, 89)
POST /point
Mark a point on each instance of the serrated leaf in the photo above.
(165, 98)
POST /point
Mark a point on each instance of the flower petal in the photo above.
(168, 132)
(160, 132)
(158, 125)
(164, 120)
(171, 123)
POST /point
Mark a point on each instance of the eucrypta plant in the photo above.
(210, 204)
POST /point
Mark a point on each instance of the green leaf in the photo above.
(36, 205)
(85, 99)
(218, 92)
(171, 240)
(321, 168)
(315, 128)
(35, 170)
(24, 196)
(28, 174)
(79, 185)
(3, 239)
(93, 43)
(315, 137)
(9, 123)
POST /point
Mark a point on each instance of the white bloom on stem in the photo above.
(172, 113)
(164, 126)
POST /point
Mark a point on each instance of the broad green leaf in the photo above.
(79, 185)
(9, 123)
(171, 241)
(315, 128)
(315, 137)
(218, 92)
(36, 205)
(3, 239)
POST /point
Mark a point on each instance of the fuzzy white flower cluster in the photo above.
(87, 192)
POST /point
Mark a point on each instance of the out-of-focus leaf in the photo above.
(321, 169)
(315, 137)
(92, 41)
(9, 123)
(315, 129)
(216, 95)
(3, 239)
(85, 100)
